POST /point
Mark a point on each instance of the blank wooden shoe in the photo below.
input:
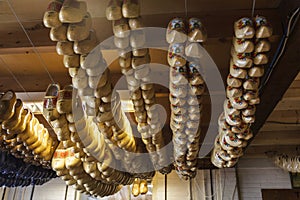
(64, 101)
(72, 11)
(59, 34)
(51, 18)
(131, 8)
(87, 45)
(114, 10)
(64, 48)
(80, 31)
(121, 28)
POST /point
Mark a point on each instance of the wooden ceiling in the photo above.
(21, 68)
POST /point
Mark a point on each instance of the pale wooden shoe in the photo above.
(121, 43)
(260, 59)
(233, 82)
(237, 72)
(263, 28)
(64, 48)
(59, 34)
(135, 23)
(64, 101)
(176, 55)
(72, 11)
(114, 10)
(176, 32)
(243, 28)
(131, 9)
(71, 61)
(196, 32)
(243, 45)
(121, 28)
(233, 92)
(80, 31)
(194, 50)
(251, 84)
(262, 45)
(51, 18)
(242, 60)
(87, 45)
(256, 71)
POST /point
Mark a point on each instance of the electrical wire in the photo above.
(18, 82)
(253, 8)
(29, 39)
(186, 8)
(281, 47)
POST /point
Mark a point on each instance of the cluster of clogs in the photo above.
(22, 134)
(248, 57)
(15, 172)
(69, 164)
(288, 163)
(91, 173)
(77, 42)
(186, 90)
(134, 59)
(139, 187)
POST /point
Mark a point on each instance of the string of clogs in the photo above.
(288, 163)
(186, 90)
(130, 39)
(83, 159)
(248, 60)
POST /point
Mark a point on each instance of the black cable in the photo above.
(75, 196)
(292, 20)
(4, 191)
(211, 184)
(191, 189)
(66, 192)
(32, 191)
(166, 186)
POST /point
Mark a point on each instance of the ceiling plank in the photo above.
(218, 23)
(277, 138)
(259, 151)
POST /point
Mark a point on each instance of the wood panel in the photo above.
(279, 194)
(277, 138)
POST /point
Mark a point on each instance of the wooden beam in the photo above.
(285, 116)
(218, 23)
(269, 126)
(260, 151)
(265, 138)
(283, 75)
